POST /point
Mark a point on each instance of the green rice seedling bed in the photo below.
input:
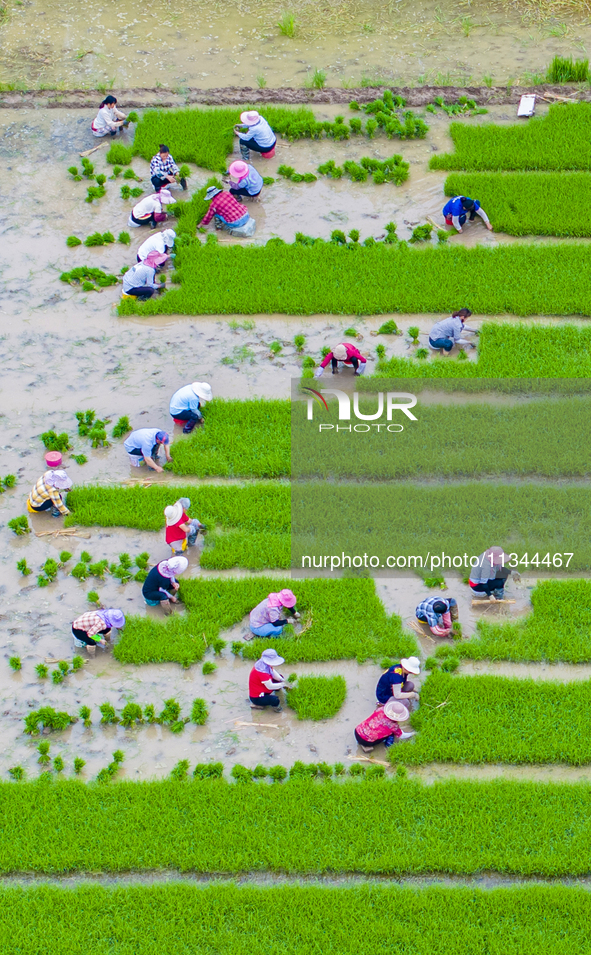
(558, 629)
(144, 920)
(560, 140)
(239, 439)
(507, 350)
(535, 437)
(326, 277)
(214, 605)
(494, 719)
(459, 519)
(317, 697)
(300, 826)
(247, 526)
(529, 203)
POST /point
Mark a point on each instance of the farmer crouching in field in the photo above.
(393, 682)
(439, 613)
(181, 530)
(447, 333)
(264, 680)
(140, 281)
(229, 214)
(246, 181)
(489, 576)
(96, 627)
(269, 617)
(160, 243)
(343, 354)
(257, 135)
(161, 585)
(164, 170)
(456, 210)
(383, 726)
(185, 404)
(150, 210)
(109, 120)
(144, 445)
(46, 496)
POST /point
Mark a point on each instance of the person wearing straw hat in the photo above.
(96, 627)
(160, 242)
(439, 613)
(489, 576)
(143, 446)
(245, 179)
(264, 680)
(150, 210)
(46, 496)
(140, 280)
(393, 682)
(185, 404)
(161, 585)
(269, 617)
(254, 133)
(383, 726)
(343, 354)
(180, 528)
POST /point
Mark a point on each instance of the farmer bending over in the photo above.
(393, 682)
(161, 585)
(144, 445)
(164, 170)
(180, 528)
(228, 212)
(185, 404)
(45, 496)
(159, 243)
(264, 680)
(343, 354)
(95, 627)
(258, 135)
(150, 210)
(109, 120)
(268, 618)
(439, 613)
(246, 181)
(489, 576)
(382, 726)
(447, 333)
(456, 210)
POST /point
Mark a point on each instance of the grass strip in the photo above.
(214, 605)
(559, 140)
(149, 920)
(558, 629)
(424, 527)
(317, 697)
(299, 826)
(247, 526)
(494, 719)
(508, 350)
(300, 279)
(530, 203)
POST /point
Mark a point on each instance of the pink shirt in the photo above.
(378, 726)
(352, 352)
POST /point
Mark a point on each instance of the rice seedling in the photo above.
(56, 442)
(7, 482)
(422, 233)
(380, 351)
(108, 714)
(208, 667)
(287, 25)
(93, 597)
(41, 671)
(57, 677)
(44, 756)
(20, 525)
(117, 170)
(72, 241)
(241, 773)
(124, 238)
(317, 697)
(119, 154)
(490, 719)
(199, 712)
(84, 715)
(275, 348)
(122, 427)
(95, 192)
(316, 80)
(17, 773)
(125, 192)
(98, 277)
(563, 70)
(79, 765)
(79, 458)
(58, 764)
(15, 663)
(49, 719)
(73, 170)
(23, 567)
(180, 770)
(299, 342)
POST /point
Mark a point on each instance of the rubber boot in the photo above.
(91, 651)
(454, 612)
(189, 426)
(184, 184)
(244, 151)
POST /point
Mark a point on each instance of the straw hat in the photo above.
(173, 513)
(340, 352)
(396, 711)
(238, 169)
(203, 390)
(412, 664)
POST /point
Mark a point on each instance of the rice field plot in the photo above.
(329, 632)
(493, 719)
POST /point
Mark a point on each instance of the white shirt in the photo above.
(139, 276)
(106, 118)
(261, 132)
(146, 206)
(154, 243)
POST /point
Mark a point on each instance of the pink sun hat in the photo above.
(238, 169)
(154, 259)
(250, 117)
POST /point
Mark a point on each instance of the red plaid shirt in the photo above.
(91, 623)
(224, 205)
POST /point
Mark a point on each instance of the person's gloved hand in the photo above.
(318, 372)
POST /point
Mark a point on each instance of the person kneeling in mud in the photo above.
(269, 618)
(264, 680)
(181, 530)
(382, 726)
(489, 576)
(229, 214)
(46, 495)
(394, 683)
(439, 613)
(96, 627)
(161, 585)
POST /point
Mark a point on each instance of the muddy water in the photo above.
(212, 45)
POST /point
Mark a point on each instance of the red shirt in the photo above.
(173, 531)
(378, 726)
(352, 352)
(255, 683)
(224, 205)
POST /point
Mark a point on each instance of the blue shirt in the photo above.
(261, 132)
(184, 399)
(455, 208)
(138, 276)
(144, 439)
(252, 182)
(384, 687)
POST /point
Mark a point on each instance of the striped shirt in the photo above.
(161, 167)
(91, 623)
(43, 492)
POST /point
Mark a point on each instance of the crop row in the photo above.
(327, 277)
(493, 719)
(560, 140)
(559, 628)
(148, 920)
(344, 619)
(396, 520)
(300, 826)
(529, 203)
